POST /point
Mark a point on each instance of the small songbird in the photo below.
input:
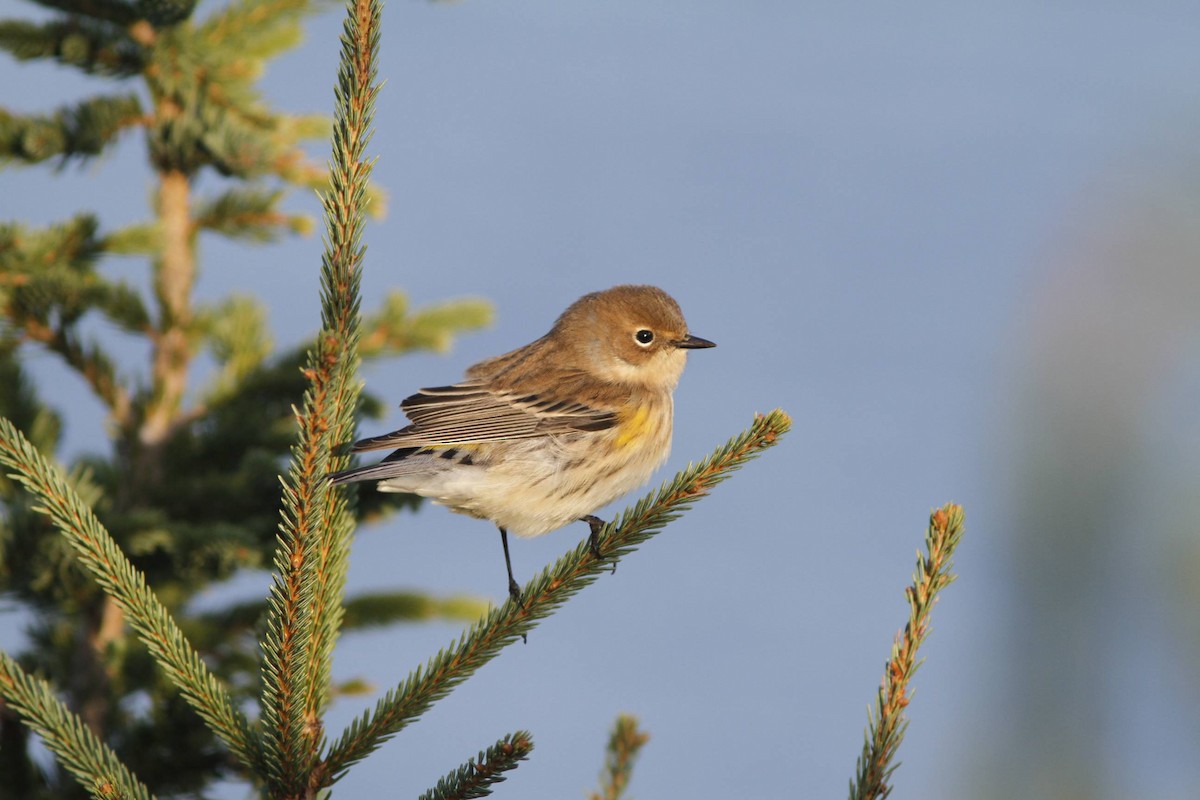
(550, 432)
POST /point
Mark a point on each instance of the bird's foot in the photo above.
(597, 525)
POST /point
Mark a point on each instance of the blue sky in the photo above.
(885, 217)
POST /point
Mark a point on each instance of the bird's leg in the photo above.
(597, 525)
(514, 591)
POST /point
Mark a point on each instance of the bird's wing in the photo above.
(471, 412)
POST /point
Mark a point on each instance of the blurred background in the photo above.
(958, 243)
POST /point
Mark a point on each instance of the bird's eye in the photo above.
(644, 337)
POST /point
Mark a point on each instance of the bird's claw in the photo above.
(596, 524)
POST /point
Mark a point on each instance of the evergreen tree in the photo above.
(190, 488)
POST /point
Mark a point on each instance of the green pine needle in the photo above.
(476, 777)
(87, 758)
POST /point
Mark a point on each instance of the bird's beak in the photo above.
(694, 343)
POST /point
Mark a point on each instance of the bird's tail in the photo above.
(395, 465)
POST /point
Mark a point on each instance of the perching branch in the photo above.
(887, 723)
(544, 594)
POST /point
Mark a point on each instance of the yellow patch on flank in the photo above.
(634, 426)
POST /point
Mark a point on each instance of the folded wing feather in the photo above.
(469, 413)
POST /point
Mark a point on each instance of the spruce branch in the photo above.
(96, 47)
(143, 239)
(624, 744)
(49, 274)
(363, 612)
(92, 363)
(101, 556)
(377, 609)
(116, 11)
(476, 777)
(345, 205)
(48, 283)
(251, 214)
(306, 598)
(238, 337)
(94, 765)
(886, 722)
(68, 293)
(78, 131)
(298, 171)
(71, 245)
(21, 403)
(395, 328)
(164, 13)
(208, 111)
(255, 29)
(544, 594)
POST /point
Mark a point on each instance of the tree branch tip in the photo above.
(784, 418)
(949, 515)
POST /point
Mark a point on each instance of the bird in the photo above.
(546, 434)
